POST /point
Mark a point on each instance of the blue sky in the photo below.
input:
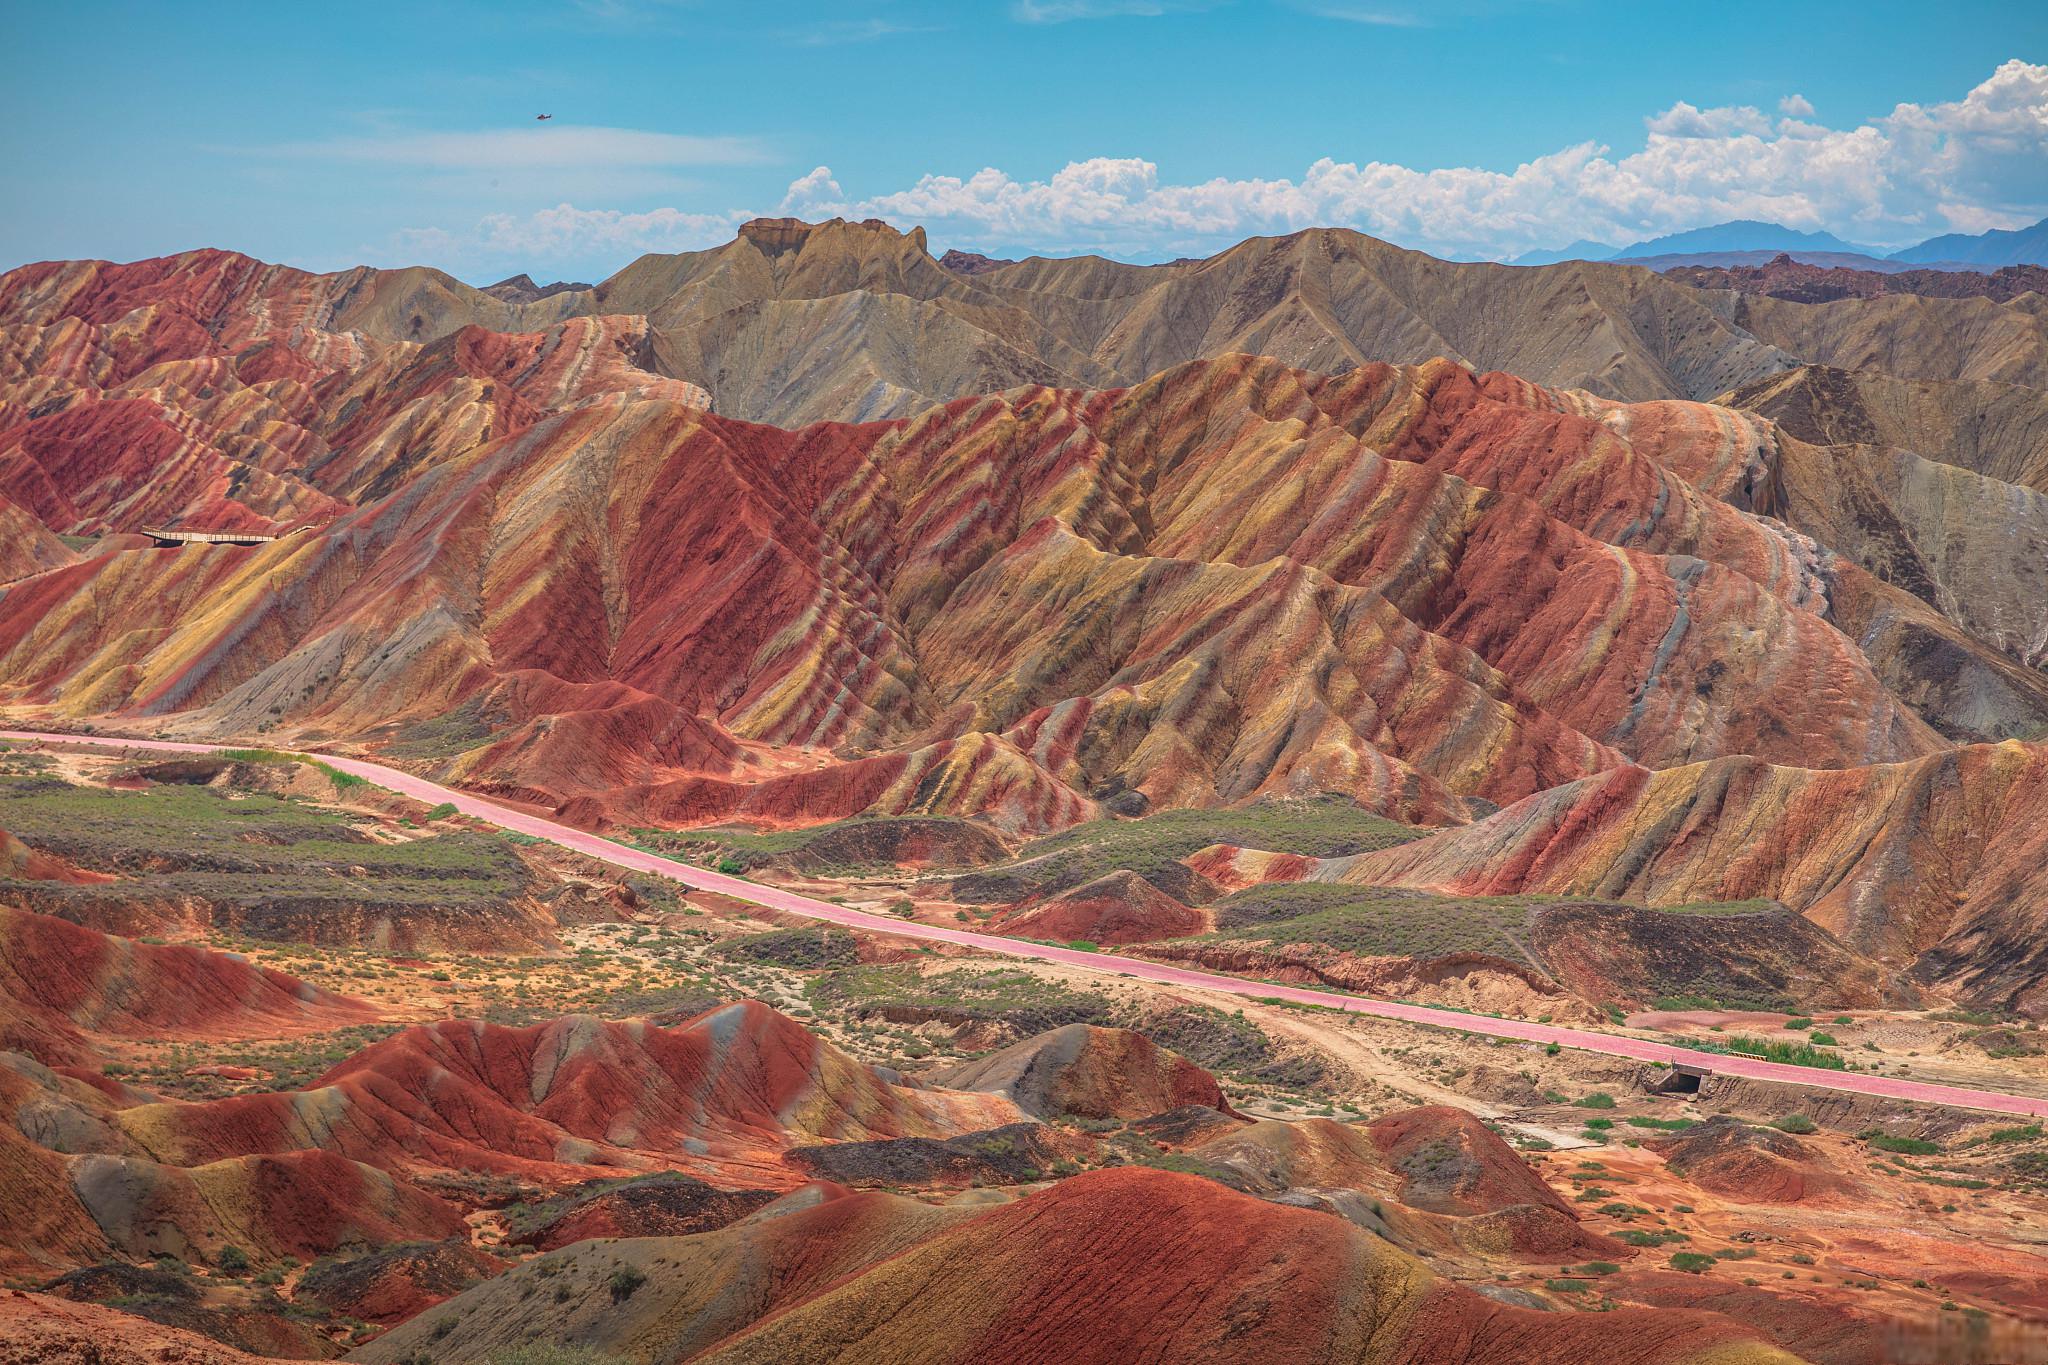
(325, 136)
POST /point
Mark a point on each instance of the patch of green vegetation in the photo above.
(1639, 1237)
(440, 812)
(1085, 945)
(736, 850)
(1665, 1125)
(821, 949)
(960, 994)
(462, 729)
(279, 858)
(1568, 1286)
(1794, 1123)
(2026, 1133)
(1599, 1099)
(1691, 1262)
(1791, 1054)
(1375, 921)
(1393, 922)
(1904, 1146)
(1152, 846)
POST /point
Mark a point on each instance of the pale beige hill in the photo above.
(27, 546)
(1905, 335)
(1972, 547)
(1993, 428)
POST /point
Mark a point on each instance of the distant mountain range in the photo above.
(1988, 250)
(1725, 244)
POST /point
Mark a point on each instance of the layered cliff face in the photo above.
(1938, 862)
(1419, 586)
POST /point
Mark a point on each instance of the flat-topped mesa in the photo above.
(778, 235)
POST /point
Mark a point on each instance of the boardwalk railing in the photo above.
(164, 537)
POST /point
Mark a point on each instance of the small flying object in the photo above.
(542, 118)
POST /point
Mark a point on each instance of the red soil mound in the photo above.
(1091, 1072)
(1438, 1180)
(666, 1205)
(1116, 1265)
(37, 1329)
(1751, 1164)
(300, 1204)
(1119, 908)
(726, 1093)
(1450, 1162)
(391, 1285)
(20, 862)
(61, 984)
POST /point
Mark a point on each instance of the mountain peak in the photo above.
(775, 236)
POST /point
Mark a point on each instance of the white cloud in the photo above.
(564, 240)
(1349, 14)
(1796, 106)
(837, 32)
(1917, 171)
(1980, 161)
(1064, 11)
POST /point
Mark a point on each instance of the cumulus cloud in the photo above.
(564, 239)
(1964, 165)
(1919, 170)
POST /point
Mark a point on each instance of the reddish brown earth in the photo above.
(1118, 908)
(1251, 1281)
(19, 862)
(64, 988)
(1937, 861)
(37, 1329)
(1090, 1072)
(723, 1094)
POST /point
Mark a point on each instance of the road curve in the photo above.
(606, 850)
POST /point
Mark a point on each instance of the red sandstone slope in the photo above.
(723, 1094)
(1940, 860)
(1089, 1071)
(1209, 588)
(1111, 1265)
(61, 985)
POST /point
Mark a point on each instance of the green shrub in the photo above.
(442, 811)
(1599, 1099)
(1085, 945)
(1794, 1123)
(1691, 1262)
(625, 1281)
(1906, 1146)
(1799, 1024)
(1567, 1286)
(1822, 1039)
(232, 1260)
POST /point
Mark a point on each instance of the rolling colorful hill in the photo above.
(1516, 609)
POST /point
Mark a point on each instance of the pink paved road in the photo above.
(596, 846)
